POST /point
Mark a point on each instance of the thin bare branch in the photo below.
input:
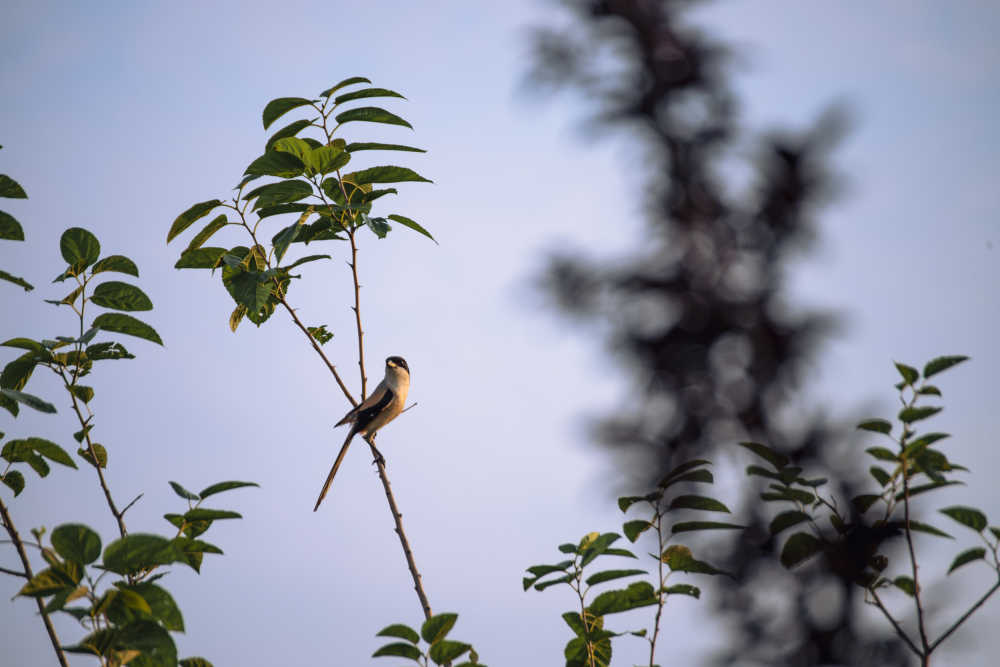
(899, 630)
(966, 615)
(357, 312)
(16, 573)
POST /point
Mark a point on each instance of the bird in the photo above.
(381, 407)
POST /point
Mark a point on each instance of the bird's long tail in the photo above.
(333, 470)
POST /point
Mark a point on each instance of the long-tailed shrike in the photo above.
(384, 405)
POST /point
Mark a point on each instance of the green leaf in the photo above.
(407, 222)
(568, 548)
(967, 556)
(679, 559)
(619, 552)
(219, 487)
(276, 163)
(326, 159)
(190, 216)
(153, 603)
(638, 594)
(379, 226)
(182, 492)
(111, 350)
(399, 650)
(346, 82)
(444, 651)
(20, 282)
(117, 263)
(551, 582)
(17, 372)
(15, 480)
(277, 108)
(437, 627)
(138, 551)
(10, 229)
(365, 92)
(633, 529)
(880, 475)
(289, 130)
(371, 115)
(282, 192)
(882, 454)
(761, 472)
(320, 334)
(597, 546)
(121, 296)
(910, 374)
(688, 526)
(967, 516)
(206, 232)
(373, 146)
(542, 570)
(683, 589)
(76, 542)
(787, 519)
(10, 188)
(200, 258)
(927, 528)
(923, 488)
(916, 413)
(698, 503)
(401, 631)
(151, 640)
(385, 174)
(929, 390)
(51, 451)
(53, 580)
(128, 325)
(29, 400)
(194, 662)
(777, 460)
(935, 366)
(799, 548)
(79, 248)
(905, 584)
(609, 575)
(102, 455)
(875, 425)
(627, 501)
(204, 514)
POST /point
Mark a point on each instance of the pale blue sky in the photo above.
(119, 116)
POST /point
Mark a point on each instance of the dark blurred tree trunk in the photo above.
(697, 313)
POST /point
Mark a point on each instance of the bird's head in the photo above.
(396, 363)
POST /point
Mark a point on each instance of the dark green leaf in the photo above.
(597, 546)
(567, 548)
(53, 580)
(371, 115)
(10, 188)
(401, 631)
(967, 516)
(542, 570)
(921, 443)
(761, 472)
(638, 594)
(20, 282)
(688, 526)
(282, 192)
(385, 174)
(51, 451)
(102, 455)
(365, 92)
(17, 372)
(320, 334)
(683, 589)
(289, 130)
(929, 390)
(346, 82)
(206, 232)
(277, 108)
(935, 366)
(372, 146)
(703, 476)
(276, 163)
(399, 650)
(379, 226)
(444, 651)
(326, 159)
(190, 216)
(698, 503)
(76, 542)
(876, 425)
(552, 582)
(15, 480)
(916, 413)
(910, 374)
(121, 296)
(437, 627)
(101, 351)
(79, 248)
(128, 325)
(966, 556)
(200, 258)
(183, 493)
(777, 460)
(304, 260)
(799, 548)
(407, 222)
(905, 584)
(927, 528)
(787, 519)
(619, 552)
(679, 559)
(152, 640)
(194, 662)
(204, 514)
(117, 263)
(609, 575)
(881, 476)
(29, 400)
(138, 551)
(224, 486)
(10, 229)
(882, 454)
(627, 501)
(633, 529)
(923, 488)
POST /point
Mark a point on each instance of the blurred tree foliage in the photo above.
(698, 313)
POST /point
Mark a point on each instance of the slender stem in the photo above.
(899, 631)
(913, 565)
(357, 311)
(659, 593)
(16, 539)
(418, 585)
(15, 573)
(966, 615)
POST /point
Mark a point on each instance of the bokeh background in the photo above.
(119, 116)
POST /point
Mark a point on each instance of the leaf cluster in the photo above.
(10, 228)
(439, 649)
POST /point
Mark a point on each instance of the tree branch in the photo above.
(16, 539)
(966, 615)
(357, 312)
(899, 631)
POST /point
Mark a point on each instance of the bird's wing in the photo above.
(367, 414)
(376, 398)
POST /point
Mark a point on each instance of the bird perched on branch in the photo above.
(384, 405)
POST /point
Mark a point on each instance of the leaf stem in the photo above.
(16, 539)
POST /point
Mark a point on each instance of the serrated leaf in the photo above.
(371, 115)
(446, 650)
(28, 399)
(967, 556)
(128, 325)
(799, 548)
(200, 258)
(15, 480)
(277, 108)
(385, 174)
(437, 627)
(190, 216)
(116, 263)
(121, 296)
(79, 248)
(399, 650)
(10, 228)
(967, 516)
(935, 366)
(401, 631)
(10, 188)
